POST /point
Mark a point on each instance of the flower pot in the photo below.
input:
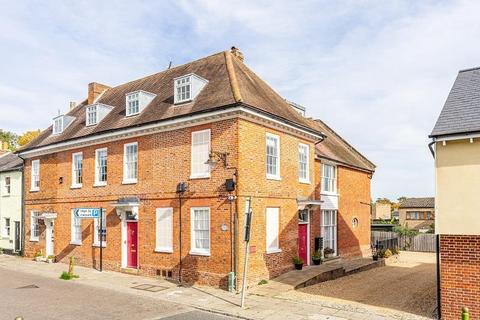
(38, 259)
(299, 266)
(50, 260)
(317, 262)
(375, 258)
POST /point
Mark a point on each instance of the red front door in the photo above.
(303, 242)
(132, 244)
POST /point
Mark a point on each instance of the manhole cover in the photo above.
(31, 286)
(149, 287)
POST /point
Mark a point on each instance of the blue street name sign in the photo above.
(85, 213)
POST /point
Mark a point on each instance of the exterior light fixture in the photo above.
(216, 156)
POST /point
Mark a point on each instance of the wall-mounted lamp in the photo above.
(216, 156)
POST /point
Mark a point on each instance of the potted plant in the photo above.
(298, 262)
(50, 258)
(327, 252)
(317, 257)
(38, 256)
(375, 256)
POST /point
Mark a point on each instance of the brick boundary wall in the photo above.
(460, 275)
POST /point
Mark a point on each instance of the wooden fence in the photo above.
(424, 242)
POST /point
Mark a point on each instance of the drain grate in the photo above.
(149, 287)
(31, 286)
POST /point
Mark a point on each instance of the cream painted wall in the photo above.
(10, 207)
(457, 167)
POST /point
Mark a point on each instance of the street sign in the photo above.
(85, 213)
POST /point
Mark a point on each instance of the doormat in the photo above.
(149, 287)
(32, 286)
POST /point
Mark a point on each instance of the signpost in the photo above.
(94, 213)
(246, 239)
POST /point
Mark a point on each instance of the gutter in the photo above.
(430, 146)
(22, 232)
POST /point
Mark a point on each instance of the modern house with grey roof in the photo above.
(11, 197)
(456, 149)
(417, 213)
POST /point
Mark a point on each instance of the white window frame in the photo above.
(75, 170)
(99, 183)
(183, 82)
(73, 233)
(91, 114)
(35, 175)
(272, 213)
(96, 240)
(332, 181)
(6, 227)
(58, 125)
(193, 248)
(132, 101)
(8, 186)
(34, 226)
(306, 149)
(276, 175)
(331, 228)
(164, 227)
(194, 157)
(127, 180)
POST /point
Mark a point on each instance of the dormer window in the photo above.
(137, 101)
(96, 113)
(132, 104)
(188, 87)
(60, 123)
(92, 115)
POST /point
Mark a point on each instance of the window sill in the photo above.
(199, 253)
(75, 243)
(305, 181)
(6, 195)
(277, 178)
(200, 177)
(326, 193)
(34, 240)
(34, 190)
(163, 250)
(182, 102)
(129, 181)
(76, 186)
(274, 251)
(99, 184)
(97, 245)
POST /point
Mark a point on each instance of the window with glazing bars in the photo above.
(133, 106)
(183, 87)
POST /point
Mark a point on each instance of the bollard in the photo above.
(70, 266)
(19, 318)
(465, 315)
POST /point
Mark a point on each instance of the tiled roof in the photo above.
(230, 82)
(335, 148)
(10, 162)
(461, 112)
(418, 203)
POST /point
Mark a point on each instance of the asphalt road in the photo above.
(35, 297)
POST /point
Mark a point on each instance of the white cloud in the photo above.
(377, 72)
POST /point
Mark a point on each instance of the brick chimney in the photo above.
(237, 53)
(95, 90)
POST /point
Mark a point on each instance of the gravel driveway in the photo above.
(406, 283)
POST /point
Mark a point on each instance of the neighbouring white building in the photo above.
(11, 227)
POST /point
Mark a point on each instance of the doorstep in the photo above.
(132, 271)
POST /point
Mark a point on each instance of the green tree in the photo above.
(10, 138)
(407, 233)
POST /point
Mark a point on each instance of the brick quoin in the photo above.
(164, 161)
(460, 275)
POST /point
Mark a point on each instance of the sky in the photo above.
(378, 72)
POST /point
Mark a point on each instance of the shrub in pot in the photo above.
(317, 257)
(375, 256)
(327, 252)
(50, 258)
(38, 256)
(298, 262)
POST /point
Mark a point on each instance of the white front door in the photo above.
(329, 229)
(48, 237)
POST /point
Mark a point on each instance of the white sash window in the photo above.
(164, 230)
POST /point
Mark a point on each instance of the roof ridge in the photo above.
(232, 76)
(347, 144)
(469, 69)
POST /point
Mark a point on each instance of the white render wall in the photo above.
(10, 207)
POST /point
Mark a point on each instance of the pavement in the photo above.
(186, 301)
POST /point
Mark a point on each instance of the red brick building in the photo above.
(171, 159)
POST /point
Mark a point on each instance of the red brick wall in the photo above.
(354, 202)
(164, 160)
(460, 275)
